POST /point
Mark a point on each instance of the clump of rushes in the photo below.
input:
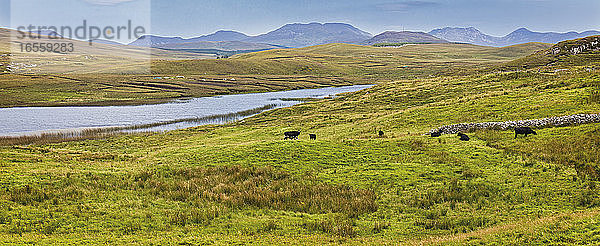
(264, 187)
(204, 194)
(338, 225)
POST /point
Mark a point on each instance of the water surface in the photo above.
(37, 120)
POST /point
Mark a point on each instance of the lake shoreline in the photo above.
(220, 116)
(133, 101)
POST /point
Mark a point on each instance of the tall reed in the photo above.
(95, 133)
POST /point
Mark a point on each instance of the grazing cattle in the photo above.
(313, 136)
(291, 135)
(524, 131)
(381, 134)
(464, 137)
(436, 134)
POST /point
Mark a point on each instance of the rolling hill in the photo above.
(241, 183)
(355, 60)
(583, 51)
(279, 69)
(86, 57)
(391, 37)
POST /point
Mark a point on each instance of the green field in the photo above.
(243, 184)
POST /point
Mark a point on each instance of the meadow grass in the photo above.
(242, 183)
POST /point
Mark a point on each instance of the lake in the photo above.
(178, 114)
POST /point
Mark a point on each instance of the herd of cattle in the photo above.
(463, 137)
(521, 127)
(293, 135)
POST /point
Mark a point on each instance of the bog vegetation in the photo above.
(242, 183)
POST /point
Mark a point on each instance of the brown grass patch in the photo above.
(264, 187)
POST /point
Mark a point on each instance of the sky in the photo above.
(190, 18)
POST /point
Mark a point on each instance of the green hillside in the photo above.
(346, 59)
(566, 54)
(241, 183)
(312, 67)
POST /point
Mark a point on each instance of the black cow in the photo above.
(463, 137)
(524, 131)
(313, 136)
(291, 135)
(381, 134)
(436, 134)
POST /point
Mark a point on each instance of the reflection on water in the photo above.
(158, 117)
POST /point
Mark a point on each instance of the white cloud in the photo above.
(107, 2)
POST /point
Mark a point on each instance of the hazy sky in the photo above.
(196, 17)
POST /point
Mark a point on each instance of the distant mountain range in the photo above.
(473, 36)
(303, 35)
(404, 37)
(290, 35)
(217, 45)
(220, 36)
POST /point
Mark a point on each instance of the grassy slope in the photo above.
(281, 69)
(141, 188)
(107, 89)
(561, 55)
(349, 60)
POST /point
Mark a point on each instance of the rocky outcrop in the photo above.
(589, 44)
